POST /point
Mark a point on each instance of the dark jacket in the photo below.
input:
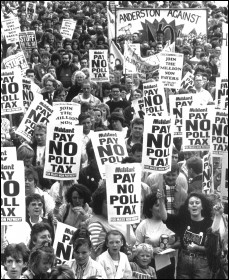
(196, 184)
(64, 74)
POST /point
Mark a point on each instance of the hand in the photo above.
(5, 244)
(58, 201)
(160, 196)
(157, 250)
(79, 210)
(192, 247)
(218, 209)
(54, 221)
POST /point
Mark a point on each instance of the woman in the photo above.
(191, 224)
(98, 119)
(26, 153)
(150, 230)
(105, 113)
(77, 79)
(35, 59)
(76, 210)
(98, 224)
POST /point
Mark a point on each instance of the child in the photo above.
(114, 262)
(141, 268)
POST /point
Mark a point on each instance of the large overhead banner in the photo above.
(169, 23)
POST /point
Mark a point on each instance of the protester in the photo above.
(40, 235)
(61, 272)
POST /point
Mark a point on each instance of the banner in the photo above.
(68, 28)
(197, 127)
(12, 192)
(157, 144)
(188, 82)
(62, 249)
(109, 147)
(30, 10)
(16, 60)
(224, 52)
(124, 198)
(11, 91)
(128, 64)
(154, 99)
(39, 112)
(30, 90)
(28, 41)
(139, 108)
(221, 98)
(177, 102)
(220, 133)
(11, 29)
(170, 69)
(207, 174)
(63, 151)
(66, 113)
(8, 153)
(98, 65)
(224, 180)
(110, 25)
(169, 23)
(115, 56)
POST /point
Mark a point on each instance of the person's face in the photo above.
(98, 116)
(156, 210)
(68, 48)
(35, 59)
(77, 200)
(138, 156)
(86, 90)
(43, 238)
(86, 126)
(75, 46)
(116, 93)
(195, 206)
(53, 72)
(65, 59)
(159, 48)
(129, 84)
(198, 82)
(144, 258)
(175, 157)
(137, 131)
(44, 264)
(58, 44)
(218, 51)
(14, 266)
(28, 161)
(123, 94)
(204, 58)
(40, 137)
(35, 208)
(47, 47)
(215, 60)
(114, 244)
(29, 185)
(116, 124)
(198, 52)
(135, 37)
(49, 86)
(45, 60)
(80, 30)
(62, 96)
(79, 79)
(160, 37)
(24, 28)
(205, 80)
(84, 63)
(170, 178)
(188, 155)
(82, 254)
(136, 95)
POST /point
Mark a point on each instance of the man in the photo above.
(42, 68)
(203, 97)
(84, 63)
(168, 185)
(116, 101)
(48, 91)
(137, 128)
(65, 71)
(136, 151)
(196, 58)
(30, 73)
(195, 174)
(129, 89)
(39, 144)
(213, 60)
(159, 47)
(87, 95)
(135, 38)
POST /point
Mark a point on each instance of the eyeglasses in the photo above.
(34, 204)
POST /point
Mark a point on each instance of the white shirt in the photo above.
(203, 97)
(40, 160)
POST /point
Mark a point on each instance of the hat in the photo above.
(116, 116)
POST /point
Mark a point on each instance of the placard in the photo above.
(124, 198)
(16, 60)
(30, 90)
(177, 102)
(62, 249)
(224, 178)
(129, 69)
(98, 65)
(66, 113)
(207, 174)
(30, 10)
(220, 133)
(139, 108)
(11, 92)
(27, 40)
(11, 29)
(67, 28)
(154, 99)
(12, 192)
(115, 56)
(170, 69)
(188, 82)
(157, 144)
(109, 147)
(39, 112)
(221, 99)
(63, 151)
(8, 153)
(197, 127)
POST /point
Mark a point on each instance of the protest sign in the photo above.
(115, 56)
(170, 69)
(62, 249)
(197, 127)
(109, 147)
(139, 108)
(39, 112)
(8, 153)
(66, 113)
(154, 99)
(98, 65)
(224, 178)
(220, 133)
(207, 174)
(11, 91)
(111, 5)
(172, 23)
(188, 82)
(17, 60)
(63, 151)
(224, 52)
(30, 10)
(129, 69)
(30, 90)
(221, 99)
(12, 192)
(28, 41)
(11, 29)
(177, 102)
(157, 144)
(124, 198)
(67, 28)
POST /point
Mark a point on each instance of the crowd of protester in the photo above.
(172, 203)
